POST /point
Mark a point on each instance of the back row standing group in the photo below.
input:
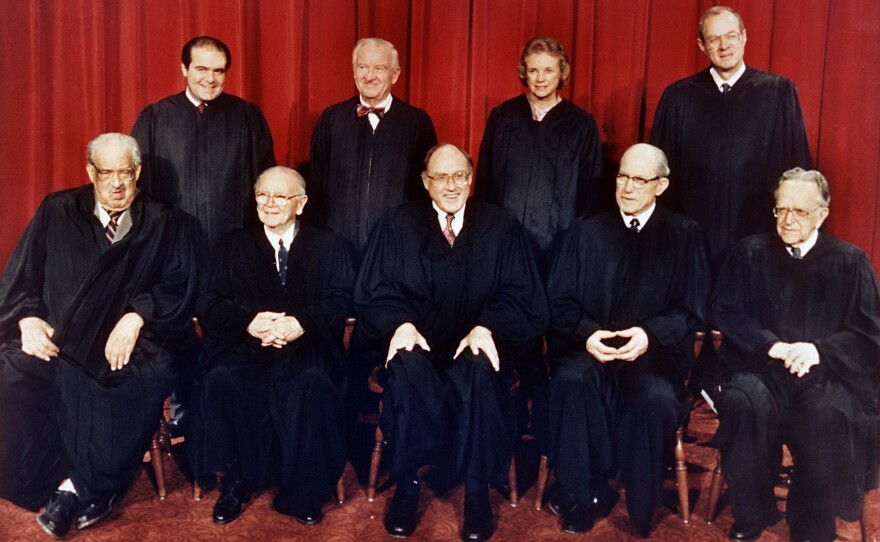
(470, 300)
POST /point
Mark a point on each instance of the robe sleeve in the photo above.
(142, 132)
(217, 309)
(261, 142)
(318, 167)
(791, 132)
(590, 172)
(483, 184)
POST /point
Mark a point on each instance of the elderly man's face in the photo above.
(448, 179)
(723, 42)
(114, 177)
(633, 194)
(373, 74)
(280, 199)
(543, 74)
(206, 74)
(798, 197)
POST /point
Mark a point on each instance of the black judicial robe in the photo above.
(205, 163)
(727, 152)
(56, 420)
(605, 277)
(489, 278)
(357, 174)
(255, 398)
(547, 173)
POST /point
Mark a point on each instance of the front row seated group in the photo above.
(452, 309)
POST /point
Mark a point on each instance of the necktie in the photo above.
(634, 225)
(448, 232)
(725, 88)
(363, 110)
(796, 253)
(201, 107)
(110, 228)
(282, 262)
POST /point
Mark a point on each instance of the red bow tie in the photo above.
(364, 110)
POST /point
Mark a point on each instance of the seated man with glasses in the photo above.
(92, 302)
(626, 292)
(449, 293)
(800, 313)
(273, 309)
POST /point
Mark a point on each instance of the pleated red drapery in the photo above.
(70, 69)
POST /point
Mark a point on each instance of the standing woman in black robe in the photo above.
(541, 156)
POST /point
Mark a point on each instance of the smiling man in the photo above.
(92, 302)
(800, 313)
(626, 291)
(367, 151)
(448, 295)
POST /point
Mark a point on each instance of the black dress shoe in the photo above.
(58, 515)
(400, 519)
(605, 504)
(561, 503)
(228, 506)
(94, 511)
(746, 534)
(311, 516)
(579, 519)
(478, 524)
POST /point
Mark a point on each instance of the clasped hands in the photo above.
(479, 339)
(798, 358)
(36, 339)
(634, 347)
(275, 328)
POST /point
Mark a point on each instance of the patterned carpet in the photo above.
(141, 516)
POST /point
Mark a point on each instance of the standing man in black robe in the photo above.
(448, 292)
(800, 314)
(91, 302)
(203, 150)
(626, 292)
(729, 132)
(367, 151)
(273, 310)
(541, 156)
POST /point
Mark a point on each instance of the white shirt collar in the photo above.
(807, 245)
(287, 236)
(642, 217)
(457, 222)
(386, 103)
(195, 101)
(123, 223)
(733, 79)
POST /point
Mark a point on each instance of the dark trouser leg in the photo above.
(751, 448)
(579, 438)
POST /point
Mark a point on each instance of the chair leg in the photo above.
(511, 481)
(340, 489)
(543, 474)
(158, 464)
(374, 464)
(714, 490)
(197, 491)
(681, 478)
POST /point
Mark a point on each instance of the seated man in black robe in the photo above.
(800, 314)
(626, 291)
(449, 292)
(91, 302)
(273, 310)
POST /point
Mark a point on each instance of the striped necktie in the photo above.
(448, 232)
(112, 224)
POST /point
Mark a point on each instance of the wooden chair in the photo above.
(684, 509)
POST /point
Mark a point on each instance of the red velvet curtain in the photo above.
(70, 69)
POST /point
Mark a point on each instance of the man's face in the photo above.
(114, 176)
(637, 165)
(727, 53)
(280, 200)
(450, 195)
(373, 74)
(796, 197)
(206, 74)
(542, 75)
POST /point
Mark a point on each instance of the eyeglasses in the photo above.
(124, 174)
(638, 182)
(799, 214)
(277, 199)
(460, 178)
(713, 42)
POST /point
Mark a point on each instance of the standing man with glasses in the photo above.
(729, 132)
(626, 292)
(273, 309)
(800, 313)
(92, 302)
(448, 294)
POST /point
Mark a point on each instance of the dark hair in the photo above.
(207, 42)
(439, 146)
(544, 44)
